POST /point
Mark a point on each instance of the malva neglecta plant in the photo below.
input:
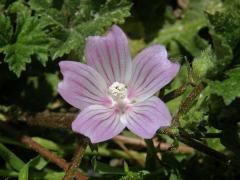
(119, 89)
(114, 92)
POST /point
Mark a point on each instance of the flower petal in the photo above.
(145, 118)
(98, 123)
(110, 56)
(151, 71)
(82, 85)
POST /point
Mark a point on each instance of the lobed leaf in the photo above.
(6, 30)
(229, 88)
(186, 34)
(30, 40)
(72, 25)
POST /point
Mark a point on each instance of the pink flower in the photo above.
(114, 92)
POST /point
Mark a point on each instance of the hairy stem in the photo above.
(175, 93)
(50, 119)
(60, 162)
(76, 160)
(186, 104)
(218, 156)
(30, 143)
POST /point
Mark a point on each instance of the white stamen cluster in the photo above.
(118, 91)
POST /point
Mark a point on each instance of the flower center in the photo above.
(118, 91)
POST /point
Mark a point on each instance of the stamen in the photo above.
(118, 91)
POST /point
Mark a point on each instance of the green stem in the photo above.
(151, 159)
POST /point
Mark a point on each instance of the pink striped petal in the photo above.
(146, 117)
(151, 71)
(82, 85)
(98, 123)
(110, 56)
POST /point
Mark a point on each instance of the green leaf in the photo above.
(36, 162)
(225, 32)
(173, 176)
(126, 168)
(184, 33)
(40, 5)
(48, 144)
(11, 158)
(22, 12)
(23, 173)
(135, 175)
(8, 173)
(229, 88)
(222, 50)
(226, 22)
(215, 143)
(46, 27)
(53, 176)
(72, 25)
(6, 30)
(8, 140)
(103, 168)
(30, 40)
